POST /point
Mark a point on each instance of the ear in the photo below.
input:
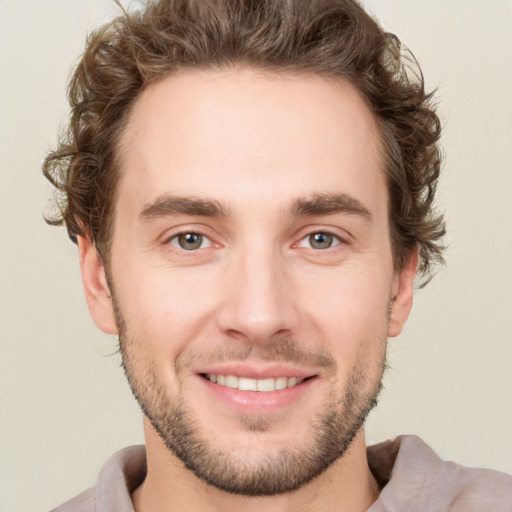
(97, 291)
(402, 294)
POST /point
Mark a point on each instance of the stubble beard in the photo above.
(332, 429)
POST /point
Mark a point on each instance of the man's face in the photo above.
(251, 272)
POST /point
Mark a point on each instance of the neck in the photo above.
(347, 485)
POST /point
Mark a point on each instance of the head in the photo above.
(251, 183)
(334, 39)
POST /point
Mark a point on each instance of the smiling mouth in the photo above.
(246, 384)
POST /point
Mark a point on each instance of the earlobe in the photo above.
(402, 298)
(97, 291)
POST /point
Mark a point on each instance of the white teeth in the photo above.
(231, 381)
(266, 384)
(291, 382)
(245, 384)
(281, 383)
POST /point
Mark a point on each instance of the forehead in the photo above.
(244, 136)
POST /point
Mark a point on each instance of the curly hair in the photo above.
(332, 38)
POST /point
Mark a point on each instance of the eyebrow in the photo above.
(326, 204)
(178, 205)
(316, 204)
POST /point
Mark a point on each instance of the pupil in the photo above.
(190, 241)
(320, 240)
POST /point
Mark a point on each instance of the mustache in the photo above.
(279, 351)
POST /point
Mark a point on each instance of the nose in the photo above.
(259, 303)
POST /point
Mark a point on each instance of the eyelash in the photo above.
(335, 238)
(176, 236)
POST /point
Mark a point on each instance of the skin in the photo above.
(256, 144)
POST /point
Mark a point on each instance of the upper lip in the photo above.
(257, 371)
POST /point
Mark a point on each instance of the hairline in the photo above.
(119, 147)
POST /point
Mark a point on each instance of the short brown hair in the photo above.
(333, 38)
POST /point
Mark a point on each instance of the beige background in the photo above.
(64, 404)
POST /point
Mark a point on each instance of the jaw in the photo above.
(167, 479)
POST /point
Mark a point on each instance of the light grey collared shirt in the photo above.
(412, 477)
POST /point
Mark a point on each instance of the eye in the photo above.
(190, 241)
(320, 241)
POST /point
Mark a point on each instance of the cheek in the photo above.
(349, 309)
(164, 308)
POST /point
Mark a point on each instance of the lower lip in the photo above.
(258, 402)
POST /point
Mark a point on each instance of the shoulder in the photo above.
(415, 478)
(84, 502)
(118, 478)
(479, 489)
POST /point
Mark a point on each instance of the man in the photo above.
(251, 188)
